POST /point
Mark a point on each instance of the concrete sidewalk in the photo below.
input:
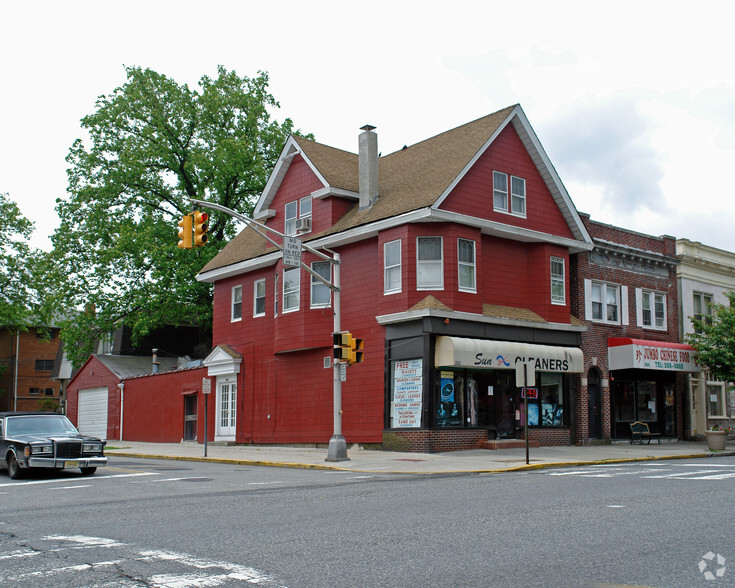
(370, 461)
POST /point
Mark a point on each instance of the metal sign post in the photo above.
(525, 377)
(206, 390)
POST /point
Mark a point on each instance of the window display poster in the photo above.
(407, 393)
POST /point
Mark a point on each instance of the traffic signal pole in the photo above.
(337, 450)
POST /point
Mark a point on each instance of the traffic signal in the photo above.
(342, 346)
(185, 232)
(347, 348)
(355, 350)
(200, 228)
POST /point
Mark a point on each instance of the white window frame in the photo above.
(290, 214)
(392, 269)
(318, 286)
(293, 292)
(649, 297)
(276, 292)
(500, 192)
(705, 306)
(622, 302)
(710, 387)
(305, 206)
(467, 264)
(430, 262)
(556, 279)
(258, 296)
(236, 304)
(517, 197)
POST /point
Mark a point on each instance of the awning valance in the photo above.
(452, 352)
(625, 353)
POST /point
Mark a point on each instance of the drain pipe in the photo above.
(15, 375)
(121, 385)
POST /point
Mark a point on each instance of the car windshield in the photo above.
(39, 425)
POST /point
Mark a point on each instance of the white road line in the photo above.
(56, 481)
(715, 477)
(682, 474)
(263, 483)
(71, 487)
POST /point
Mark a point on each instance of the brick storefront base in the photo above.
(428, 441)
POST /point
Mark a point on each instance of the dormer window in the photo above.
(297, 217)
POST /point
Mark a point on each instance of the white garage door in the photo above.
(92, 414)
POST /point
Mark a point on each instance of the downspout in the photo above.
(15, 371)
(121, 385)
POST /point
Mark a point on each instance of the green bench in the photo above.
(640, 431)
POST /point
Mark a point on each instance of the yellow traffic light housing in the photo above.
(185, 236)
(342, 346)
(355, 350)
(347, 349)
(200, 228)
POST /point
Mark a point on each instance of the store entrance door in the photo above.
(507, 401)
(594, 394)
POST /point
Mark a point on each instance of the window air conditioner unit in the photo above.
(303, 224)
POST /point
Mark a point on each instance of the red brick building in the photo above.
(625, 289)
(454, 265)
(27, 360)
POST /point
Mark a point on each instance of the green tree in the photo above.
(714, 340)
(151, 145)
(17, 261)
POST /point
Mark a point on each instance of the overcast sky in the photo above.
(634, 102)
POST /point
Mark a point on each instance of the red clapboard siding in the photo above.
(473, 195)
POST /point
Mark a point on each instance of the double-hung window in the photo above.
(429, 264)
(236, 303)
(651, 309)
(715, 398)
(466, 265)
(518, 196)
(392, 267)
(605, 302)
(259, 298)
(558, 295)
(321, 295)
(291, 214)
(500, 191)
(291, 286)
(702, 309)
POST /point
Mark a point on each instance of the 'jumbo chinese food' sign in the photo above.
(625, 353)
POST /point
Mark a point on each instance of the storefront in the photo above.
(472, 386)
(647, 384)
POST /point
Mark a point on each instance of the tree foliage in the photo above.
(153, 144)
(714, 340)
(17, 263)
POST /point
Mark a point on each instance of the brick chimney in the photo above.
(368, 166)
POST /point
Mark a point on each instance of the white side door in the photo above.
(226, 408)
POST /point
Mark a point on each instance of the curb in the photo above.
(525, 467)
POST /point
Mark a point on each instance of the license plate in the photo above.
(71, 464)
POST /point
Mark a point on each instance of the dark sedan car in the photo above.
(30, 440)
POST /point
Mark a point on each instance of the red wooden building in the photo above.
(454, 265)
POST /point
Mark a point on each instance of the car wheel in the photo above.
(88, 471)
(14, 470)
